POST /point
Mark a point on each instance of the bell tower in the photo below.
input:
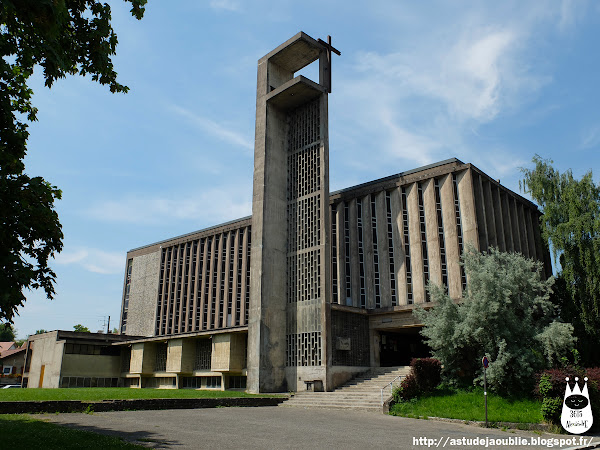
(290, 271)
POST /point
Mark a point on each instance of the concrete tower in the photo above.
(290, 271)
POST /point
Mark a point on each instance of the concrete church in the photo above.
(316, 286)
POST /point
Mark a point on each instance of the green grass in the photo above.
(22, 431)
(469, 405)
(97, 394)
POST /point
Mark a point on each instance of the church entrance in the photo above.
(398, 347)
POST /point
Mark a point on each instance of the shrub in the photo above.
(408, 389)
(551, 409)
(425, 375)
(428, 372)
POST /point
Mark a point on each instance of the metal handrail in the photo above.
(391, 385)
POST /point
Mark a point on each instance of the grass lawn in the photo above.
(97, 394)
(469, 405)
(22, 431)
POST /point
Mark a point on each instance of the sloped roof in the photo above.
(12, 352)
(6, 346)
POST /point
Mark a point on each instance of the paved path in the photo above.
(285, 428)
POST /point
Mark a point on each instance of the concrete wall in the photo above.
(143, 294)
(181, 355)
(143, 358)
(47, 352)
(228, 352)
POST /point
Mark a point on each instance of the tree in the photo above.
(571, 223)
(62, 37)
(42, 331)
(505, 315)
(7, 333)
(81, 329)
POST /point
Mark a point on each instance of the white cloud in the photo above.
(428, 101)
(227, 5)
(591, 137)
(571, 13)
(93, 260)
(207, 207)
(218, 130)
(471, 76)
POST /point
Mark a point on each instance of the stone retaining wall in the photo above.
(66, 406)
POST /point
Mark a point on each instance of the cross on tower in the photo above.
(327, 69)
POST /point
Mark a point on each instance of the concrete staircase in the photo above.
(362, 393)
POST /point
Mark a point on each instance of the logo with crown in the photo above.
(576, 414)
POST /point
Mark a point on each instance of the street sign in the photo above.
(485, 362)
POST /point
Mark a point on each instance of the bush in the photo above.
(408, 389)
(551, 409)
(425, 375)
(428, 373)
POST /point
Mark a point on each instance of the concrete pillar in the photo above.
(514, 220)
(498, 219)
(341, 252)
(467, 208)
(523, 231)
(489, 213)
(399, 254)
(480, 211)
(354, 260)
(431, 226)
(244, 285)
(416, 254)
(235, 319)
(530, 235)
(450, 236)
(205, 281)
(383, 247)
(219, 259)
(375, 339)
(176, 287)
(210, 301)
(507, 224)
(368, 251)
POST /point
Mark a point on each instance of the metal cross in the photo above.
(330, 48)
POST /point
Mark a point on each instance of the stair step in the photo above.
(361, 393)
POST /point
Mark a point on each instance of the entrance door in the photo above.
(42, 376)
(398, 348)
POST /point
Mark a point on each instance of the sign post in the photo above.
(486, 364)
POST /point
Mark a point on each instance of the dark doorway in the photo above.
(399, 347)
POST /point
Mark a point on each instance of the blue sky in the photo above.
(491, 83)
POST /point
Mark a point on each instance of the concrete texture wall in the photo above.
(228, 352)
(143, 357)
(47, 352)
(143, 294)
(180, 355)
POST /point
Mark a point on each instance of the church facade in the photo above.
(316, 286)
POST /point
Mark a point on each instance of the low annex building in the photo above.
(315, 286)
